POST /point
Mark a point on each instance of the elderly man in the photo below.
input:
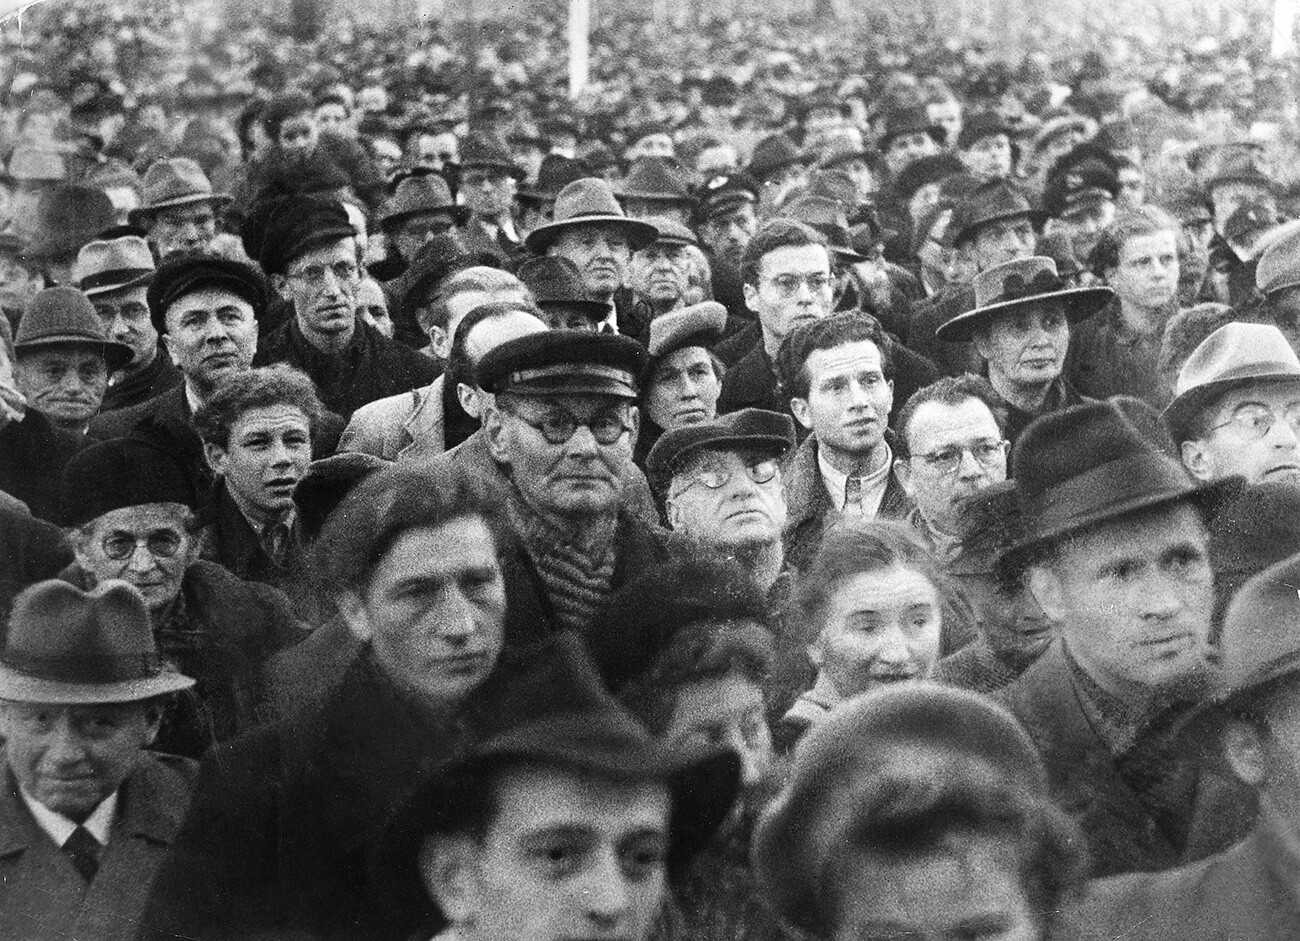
(721, 486)
(87, 812)
(1241, 893)
(839, 373)
(281, 837)
(129, 506)
(310, 252)
(1020, 326)
(558, 287)
(179, 211)
(115, 275)
(1236, 406)
(562, 430)
(1118, 557)
(590, 229)
(950, 446)
(659, 273)
(729, 219)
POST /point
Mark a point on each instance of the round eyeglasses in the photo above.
(161, 543)
(1257, 420)
(558, 427)
(947, 460)
(716, 476)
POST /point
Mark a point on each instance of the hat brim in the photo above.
(142, 214)
(19, 687)
(597, 310)
(458, 214)
(1080, 304)
(967, 232)
(116, 354)
(640, 234)
(137, 282)
(665, 198)
(1179, 413)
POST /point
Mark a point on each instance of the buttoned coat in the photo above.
(409, 426)
(43, 897)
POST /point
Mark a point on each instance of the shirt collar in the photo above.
(58, 827)
(836, 481)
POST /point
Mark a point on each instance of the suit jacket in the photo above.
(43, 897)
(32, 455)
(1123, 833)
(406, 426)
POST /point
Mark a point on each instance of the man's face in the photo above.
(125, 315)
(728, 233)
(299, 135)
(388, 156)
(1083, 223)
(434, 610)
(1147, 274)
(947, 115)
(66, 384)
(725, 711)
(266, 458)
(745, 510)
(1001, 241)
(332, 116)
(849, 398)
(577, 477)
(183, 228)
(1251, 435)
(567, 856)
(322, 284)
(1009, 616)
(1132, 188)
(879, 627)
(211, 333)
(1133, 597)
(601, 252)
(487, 192)
(146, 545)
(683, 389)
(905, 149)
(435, 151)
(414, 231)
(938, 432)
(988, 158)
(652, 145)
(660, 273)
(1026, 346)
(18, 284)
(794, 287)
(372, 307)
(72, 757)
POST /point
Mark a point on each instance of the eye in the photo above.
(644, 857)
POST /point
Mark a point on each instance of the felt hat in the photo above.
(440, 257)
(1090, 463)
(654, 179)
(749, 428)
(701, 324)
(563, 362)
(672, 232)
(924, 171)
(65, 646)
(771, 155)
(1059, 247)
(1084, 177)
(827, 217)
(842, 149)
(118, 473)
(1254, 529)
(989, 523)
(556, 172)
(1237, 166)
(183, 274)
(67, 217)
(588, 201)
(1235, 355)
(1063, 124)
(418, 195)
(724, 192)
(908, 120)
(113, 264)
(993, 201)
(1013, 284)
(1260, 641)
(980, 125)
(556, 282)
(1186, 204)
(846, 765)
(1279, 264)
(63, 316)
(484, 151)
(174, 181)
(299, 224)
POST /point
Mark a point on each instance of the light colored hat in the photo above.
(1279, 259)
(112, 264)
(698, 325)
(174, 181)
(585, 202)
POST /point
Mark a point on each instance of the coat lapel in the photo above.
(424, 431)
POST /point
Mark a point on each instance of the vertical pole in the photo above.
(579, 28)
(1284, 16)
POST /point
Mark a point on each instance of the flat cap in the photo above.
(698, 325)
(564, 362)
(748, 428)
(298, 224)
(184, 274)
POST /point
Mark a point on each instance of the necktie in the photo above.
(83, 849)
(853, 497)
(275, 537)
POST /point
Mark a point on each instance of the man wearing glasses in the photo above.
(562, 429)
(1236, 409)
(309, 250)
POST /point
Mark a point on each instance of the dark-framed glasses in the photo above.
(161, 543)
(1257, 419)
(947, 460)
(557, 426)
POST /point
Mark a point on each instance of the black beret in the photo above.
(747, 428)
(562, 362)
(183, 274)
(122, 472)
(296, 225)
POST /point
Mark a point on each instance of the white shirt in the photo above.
(58, 827)
(873, 484)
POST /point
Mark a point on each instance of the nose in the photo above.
(66, 746)
(605, 891)
(583, 442)
(969, 468)
(1162, 596)
(457, 623)
(894, 649)
(280, 455)
(141, 559)
(1283, 435)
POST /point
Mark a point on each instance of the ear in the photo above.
(216, 458)
(674, 513)
(817, 651)
(751, 296)
(1045, 585)
(352, 608)
(498, 436)
(1244, 750)
(890, 407)
(980, 339)
(903, 473)
(440, 342)
(799, 409)
(168, 344)
(469, 400)
(447, 869)
(153, 722)
(635, 414)
(1197, 460)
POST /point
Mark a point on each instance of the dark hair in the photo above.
(1129, 224)
(459, 367)
(947, 390)
(394, 501)
(278, 384)
(850, 326)
(777, 233)
(282, 107)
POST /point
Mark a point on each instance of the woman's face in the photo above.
(684, 389)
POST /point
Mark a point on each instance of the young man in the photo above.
(179, 211)
(489, 178)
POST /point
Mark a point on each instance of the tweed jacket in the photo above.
(408, 426)
(43, 897)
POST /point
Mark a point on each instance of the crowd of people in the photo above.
(816, 483)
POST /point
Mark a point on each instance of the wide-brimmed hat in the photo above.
(488, 152)
(65, 646)
(1014, 284)
(846, 766)
(183, 274)
(556, 172)
(418, 195)
(771, 155)
(654, 179)
(1278, 267)
(909, 120)
(113, 264)
(174, 181)
(67, 217)
(1235, 355)
(440, 257)
(564, 362)
(1088, 464)
(701, 324)
(63, 316)
(119, 473)
(748, 428)
(827, 216)
(588, 201)
(993, 201)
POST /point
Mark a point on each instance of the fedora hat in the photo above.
(989, 202)
(980, 125)
(1090, 463)
(67, 217)
(1260, 642)
(113, 264)
(420, 194)
(63, 316)
(588, 201)
(826, 215)
(772, 154)
(174, 181)
(1014, 284)
(557, 172)
(654, 179)
(556, 282)
(65, 646)
(914, 119)
(440, 257)
(1235, 355)
(490, 153)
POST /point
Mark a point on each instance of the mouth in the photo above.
(1167, 645)
(860, 423)
(281, 483)
(464, 663)
(895, 676)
